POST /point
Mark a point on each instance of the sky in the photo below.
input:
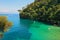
(13, 5)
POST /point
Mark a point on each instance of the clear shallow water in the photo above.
(44, 32)
(23, 29)
(41, 31)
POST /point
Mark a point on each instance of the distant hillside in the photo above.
(47, 11)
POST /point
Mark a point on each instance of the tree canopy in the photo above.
(4, 24)
(42, 10)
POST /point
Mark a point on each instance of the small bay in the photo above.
(24, 29)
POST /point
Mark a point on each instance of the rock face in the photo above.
(47, 11)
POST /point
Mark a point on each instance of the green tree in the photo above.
(46, 10)
(4, 25)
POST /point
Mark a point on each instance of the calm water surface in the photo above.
(23, 29)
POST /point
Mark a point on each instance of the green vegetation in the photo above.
(4, 25)
(47, 11)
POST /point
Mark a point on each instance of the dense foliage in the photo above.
(4, 24)
(47, 11)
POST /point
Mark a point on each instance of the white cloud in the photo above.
(4, 10)
(8, 10)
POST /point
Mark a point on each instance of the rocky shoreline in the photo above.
(49, 22)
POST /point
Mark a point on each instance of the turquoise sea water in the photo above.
(41, 31)
(23, 29)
